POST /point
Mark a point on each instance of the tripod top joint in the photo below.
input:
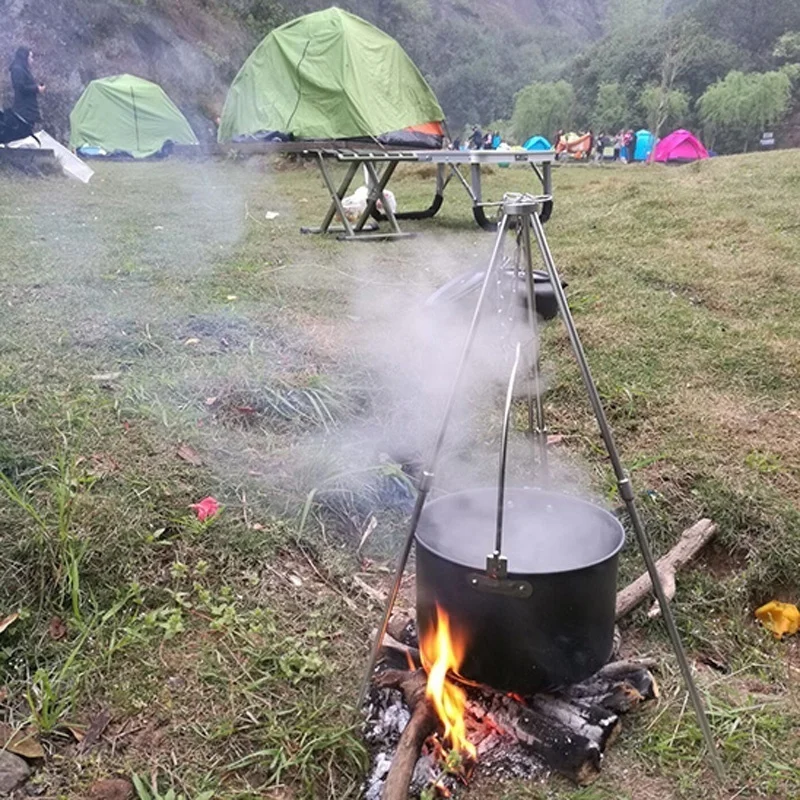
(518, 205)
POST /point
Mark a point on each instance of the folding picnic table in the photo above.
(380, 164)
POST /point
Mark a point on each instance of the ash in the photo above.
(500, 754)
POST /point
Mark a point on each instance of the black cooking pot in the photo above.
(548, 620)
(464, 285)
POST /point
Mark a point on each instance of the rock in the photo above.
(111, 789)
(13, 772)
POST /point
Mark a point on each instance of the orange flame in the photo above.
(441, 652)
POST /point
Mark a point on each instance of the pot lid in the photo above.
(543, 532)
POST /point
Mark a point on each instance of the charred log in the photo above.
(591, 721)
(563, 749)
(618, 687)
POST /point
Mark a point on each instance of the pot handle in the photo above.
(496, 564)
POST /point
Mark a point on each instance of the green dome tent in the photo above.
(330, 75)
(127, 114)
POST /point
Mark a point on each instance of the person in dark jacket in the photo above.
(26, 88)
(476, 138)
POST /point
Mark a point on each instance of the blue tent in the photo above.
(537, 143)
(645, 141)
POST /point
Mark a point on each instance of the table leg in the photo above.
(546, 179)
(336, 197)
(454, 170)
(476, 183)
(377, 185)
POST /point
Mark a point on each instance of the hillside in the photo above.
(475, 54)
(181, 44)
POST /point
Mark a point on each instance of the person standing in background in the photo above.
(557, 142)
(26, 91)
(630, 144)
(476, 139)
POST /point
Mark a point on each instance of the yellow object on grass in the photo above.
(783, 619)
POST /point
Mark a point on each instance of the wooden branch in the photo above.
(692, 540)
(421, 725)
(370, 591)
(390, 643)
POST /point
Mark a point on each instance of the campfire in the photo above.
(442, 654)
(431, 733)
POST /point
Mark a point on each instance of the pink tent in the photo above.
(680, 146)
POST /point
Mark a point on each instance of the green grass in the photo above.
(158, 307)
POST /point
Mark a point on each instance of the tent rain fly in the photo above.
(126, 114)
(331, 75)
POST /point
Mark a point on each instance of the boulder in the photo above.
(13, 772)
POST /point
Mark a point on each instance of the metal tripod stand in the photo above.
(522, 212)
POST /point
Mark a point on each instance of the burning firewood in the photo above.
(391, 643)
(566, 731)
(420, 726)
(562, 747)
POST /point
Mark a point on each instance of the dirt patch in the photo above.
(756, 436)
(721, 563)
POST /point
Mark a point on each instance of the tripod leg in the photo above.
(626, 492)
(428, 472)
(536, 421)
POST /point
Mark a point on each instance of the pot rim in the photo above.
(510, 490)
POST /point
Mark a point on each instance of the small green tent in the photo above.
(329, 75)
(127, 114)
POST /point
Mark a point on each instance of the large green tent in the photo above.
(127, 114)
(329, 75)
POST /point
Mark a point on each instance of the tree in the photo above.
(542, 108)
(787, 48)
(753, 25)
(611, 108)
(681, 48)
(737, 109)
(661, 109)
(645, 56)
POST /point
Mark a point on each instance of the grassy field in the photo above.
(162, 341)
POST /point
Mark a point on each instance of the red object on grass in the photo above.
(206, 508)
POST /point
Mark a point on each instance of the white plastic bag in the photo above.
(390, 199)
(355, 204)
